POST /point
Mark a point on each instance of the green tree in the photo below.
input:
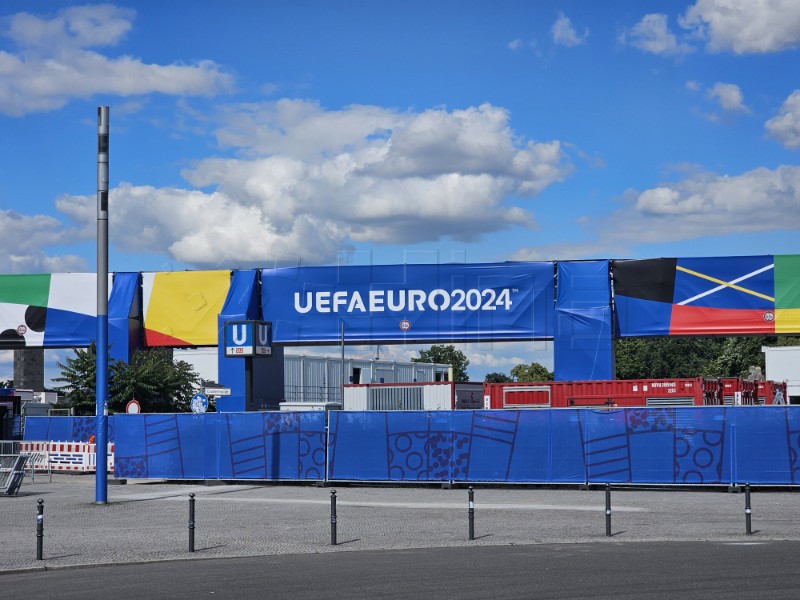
(736, 356)
(446, 354)
(150, 376)
(180, 384)
(78, 376)
(157, 383)
(642, 358)
(531, 372)
(497, 378)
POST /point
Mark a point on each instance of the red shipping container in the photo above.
(772, 392)
(608, 393)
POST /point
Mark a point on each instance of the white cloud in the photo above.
(76, 26)
(504, 356)
(308, 181)
(25, 236)
(745, 26)
(785, 127)
(55, 66)
(515, 44)
(652, 34)
(758, 200)
(729, 97)
(565, 34)
(702, 204)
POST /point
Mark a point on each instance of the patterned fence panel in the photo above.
(665, 445)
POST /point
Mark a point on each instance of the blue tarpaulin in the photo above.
(583, 334)
(668, 445)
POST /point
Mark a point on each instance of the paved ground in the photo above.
(146, 521)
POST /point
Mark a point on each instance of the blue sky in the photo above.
(249, 134)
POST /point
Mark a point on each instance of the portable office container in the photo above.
(445, 395)
(319, 378)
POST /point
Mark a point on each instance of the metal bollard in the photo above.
(191, 522)
(747, 510)
(40, 530)
(608, 510)
(471, 513)
(333, 518)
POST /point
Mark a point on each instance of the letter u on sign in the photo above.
(239, 334)
(239, 338)
(263, 334)
(263, 339)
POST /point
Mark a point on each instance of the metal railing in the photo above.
(37, 460)
(12, 471)
(301, 393)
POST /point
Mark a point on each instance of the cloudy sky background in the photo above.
(282, 133)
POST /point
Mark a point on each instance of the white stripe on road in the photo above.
(371, 504)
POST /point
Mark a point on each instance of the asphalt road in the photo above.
(663, 570)
(273, 541)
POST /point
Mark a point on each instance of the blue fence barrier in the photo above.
(64, 429)
(705, 445)
(221, 446)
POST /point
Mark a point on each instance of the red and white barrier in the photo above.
(78, 457)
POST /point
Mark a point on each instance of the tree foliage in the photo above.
(497, 378)
(661, 357)
(78, 376)
(735, 357)
(643, 358)
(158, 383)
(531, 372)
(446, 354)
(150, 376)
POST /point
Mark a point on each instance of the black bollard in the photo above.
(333, 518)
(191, 522)
(608, 510)
(471, 513)
(747, 510)
(40, 530)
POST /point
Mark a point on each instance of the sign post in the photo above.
(248, 339)
(101, 377)
(217, 391)
(199, 404)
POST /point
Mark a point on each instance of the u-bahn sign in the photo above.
(248, 338)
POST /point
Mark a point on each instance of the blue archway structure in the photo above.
(582, 306)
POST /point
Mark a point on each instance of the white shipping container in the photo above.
(412, 396)
(319, 378)
(311, 378)
(783, 364)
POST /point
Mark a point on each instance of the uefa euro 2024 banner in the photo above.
(495, 301)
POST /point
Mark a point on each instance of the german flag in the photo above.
(740, 295)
